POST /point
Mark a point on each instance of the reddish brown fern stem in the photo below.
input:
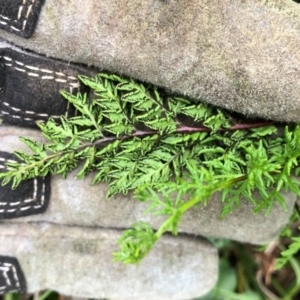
(141, 133)
(232, 128)
(183, 129)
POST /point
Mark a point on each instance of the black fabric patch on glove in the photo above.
(29, 198)
(11, 276)
(19, 16)
(30, 85)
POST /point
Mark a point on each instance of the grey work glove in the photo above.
(191, 47)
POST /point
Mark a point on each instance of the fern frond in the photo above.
(173, 151)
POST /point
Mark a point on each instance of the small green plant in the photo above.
(173, 152)
(287, 255)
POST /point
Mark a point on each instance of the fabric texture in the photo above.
(11, 276)
(78, 261)
(30, 86)
(19, 16)
(30, 197)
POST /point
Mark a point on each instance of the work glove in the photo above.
(61, 234)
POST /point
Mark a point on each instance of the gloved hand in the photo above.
(68, 226)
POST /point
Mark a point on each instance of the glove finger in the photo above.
(77, 202)
(78, 261)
